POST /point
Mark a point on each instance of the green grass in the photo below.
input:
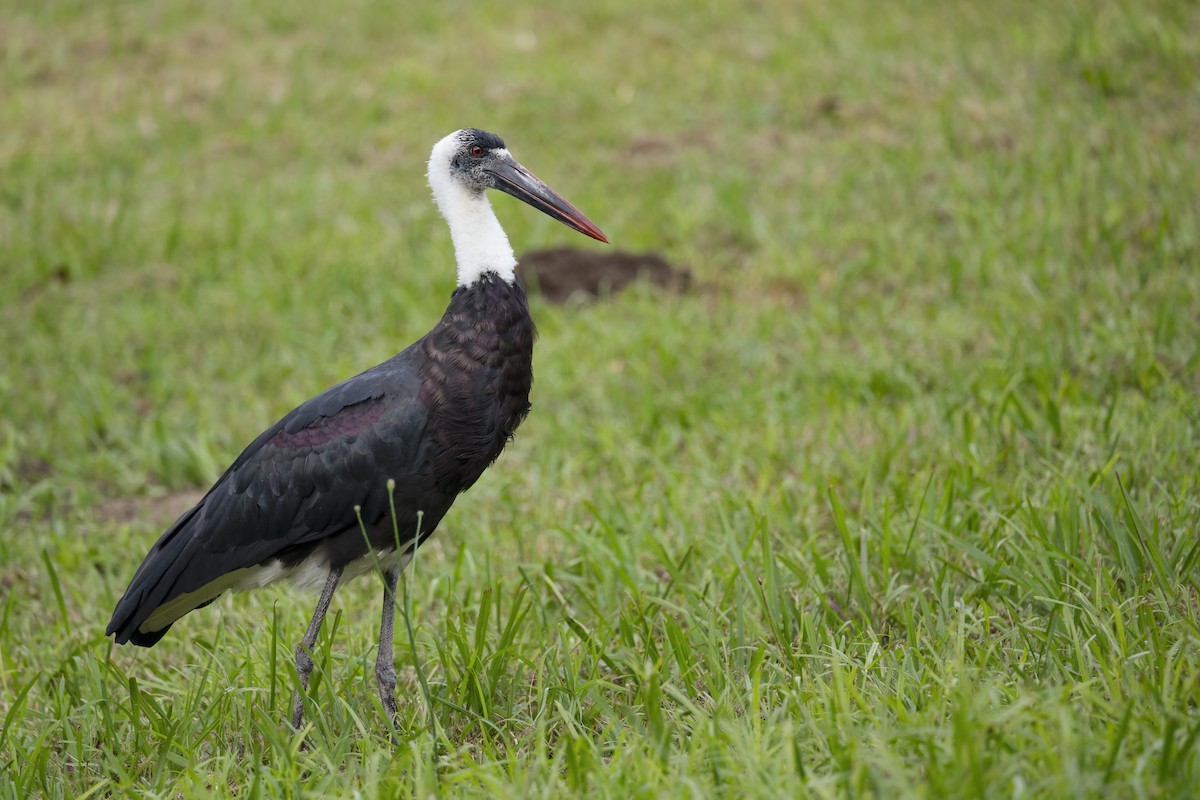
(902, 501)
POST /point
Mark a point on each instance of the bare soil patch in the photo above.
(159, 510)
(561, 273)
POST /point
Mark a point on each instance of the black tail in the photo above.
(152, 586)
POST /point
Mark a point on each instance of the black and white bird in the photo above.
(308, 500)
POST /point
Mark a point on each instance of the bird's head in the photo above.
(471, 161)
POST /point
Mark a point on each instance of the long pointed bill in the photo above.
(512, 178)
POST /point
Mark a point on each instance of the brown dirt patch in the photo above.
(663, 150)
(32, 470)
(561, 273)
(154, 510)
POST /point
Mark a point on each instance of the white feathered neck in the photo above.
(480, 244)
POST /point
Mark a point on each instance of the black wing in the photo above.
(297, 484)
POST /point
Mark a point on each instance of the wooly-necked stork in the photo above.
(308, 500)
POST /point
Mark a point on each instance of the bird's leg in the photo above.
(385, 667)
(304, 662)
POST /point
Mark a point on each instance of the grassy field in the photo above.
(900, 500)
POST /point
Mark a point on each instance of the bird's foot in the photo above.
(297, 710)
(385, 674)
(304, 668)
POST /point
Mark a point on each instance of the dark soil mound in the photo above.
(562, 272)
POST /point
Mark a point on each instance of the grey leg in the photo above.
(385, 668)
(304, 662)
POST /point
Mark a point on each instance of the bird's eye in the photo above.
(476, 151)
